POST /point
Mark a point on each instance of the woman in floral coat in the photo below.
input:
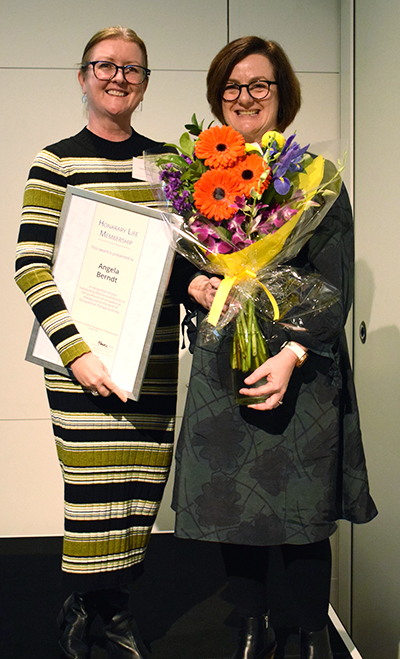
(283, 471)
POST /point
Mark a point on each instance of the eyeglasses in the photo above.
(259, 89)
(132, 73)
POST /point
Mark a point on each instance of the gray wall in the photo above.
(376, 582)
(40, 44)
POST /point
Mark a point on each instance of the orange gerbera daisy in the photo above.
(215, 192)
(249, 171)
(220, 146)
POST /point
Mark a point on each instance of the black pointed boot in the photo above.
(74, 621)
(124, 641)
(315, 645)
(256, 639)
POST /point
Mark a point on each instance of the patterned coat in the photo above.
(282, 476)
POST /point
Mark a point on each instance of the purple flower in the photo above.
(223, 248)
(235, 222)
(240, 202)
(181, 205)
(239, 237)
(173, 189)
(272, 221)
(202, 230)
(290, 158)
(281, 185)
(209, 237)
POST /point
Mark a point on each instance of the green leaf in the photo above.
(198, 166)
(186, 144)
(174, 146)
(194, 171)
(193, 129)
(173, 158)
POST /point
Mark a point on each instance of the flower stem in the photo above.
(249, 349)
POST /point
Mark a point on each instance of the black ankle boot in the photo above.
(315, 645)
(256, 639)
(123, 638)
(74, 621)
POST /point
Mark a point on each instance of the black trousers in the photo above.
(307, 569)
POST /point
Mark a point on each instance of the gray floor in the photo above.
(181, 603)
(206, 632)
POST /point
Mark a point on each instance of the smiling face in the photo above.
(251, 117)
(111, 103)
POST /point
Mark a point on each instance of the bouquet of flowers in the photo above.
(241, 211)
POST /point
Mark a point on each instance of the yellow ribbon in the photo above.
(223, 292)
(249, 261)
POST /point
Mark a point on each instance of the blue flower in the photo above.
(281, 185)
(290, 158)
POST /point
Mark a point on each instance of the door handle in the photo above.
(362, 332)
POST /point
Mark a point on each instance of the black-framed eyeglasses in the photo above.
(259, 89)
(132, 73)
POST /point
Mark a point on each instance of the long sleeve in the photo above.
(91, 163)
(43, 199)
(330, 253)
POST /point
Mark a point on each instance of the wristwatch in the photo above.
(300, 352)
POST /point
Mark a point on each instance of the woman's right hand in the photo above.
(203, 289)
(92, 374)
(277, 370)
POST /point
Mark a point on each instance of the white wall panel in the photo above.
(179, 34)
(49, 108)
(376, 566)
(43, 104)
(171, 99)
(31, 482)
(376, 546)
(318, 119)
(308, 30)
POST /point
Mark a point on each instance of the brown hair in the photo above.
(117, 32)
(234, 52)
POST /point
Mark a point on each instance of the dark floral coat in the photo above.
(282, 476)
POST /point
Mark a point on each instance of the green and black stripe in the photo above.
(115, 457)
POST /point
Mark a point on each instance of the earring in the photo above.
(139, 107)
(84, 98)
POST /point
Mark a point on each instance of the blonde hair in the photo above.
(116, 32)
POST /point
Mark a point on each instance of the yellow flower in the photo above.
(270, 136)
(252, 147)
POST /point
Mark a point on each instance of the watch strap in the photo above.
(298, 350)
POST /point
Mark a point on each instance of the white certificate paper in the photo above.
(112, 265)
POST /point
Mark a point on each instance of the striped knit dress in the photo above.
(114, 456)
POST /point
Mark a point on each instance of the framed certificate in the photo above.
(112, 265)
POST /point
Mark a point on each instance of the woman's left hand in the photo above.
(278, 371)
(203, 290)
(93, 375)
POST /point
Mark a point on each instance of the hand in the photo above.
(278, 371)
(203, 289)
(92, 374)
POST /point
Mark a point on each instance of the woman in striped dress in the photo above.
(114, 453)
